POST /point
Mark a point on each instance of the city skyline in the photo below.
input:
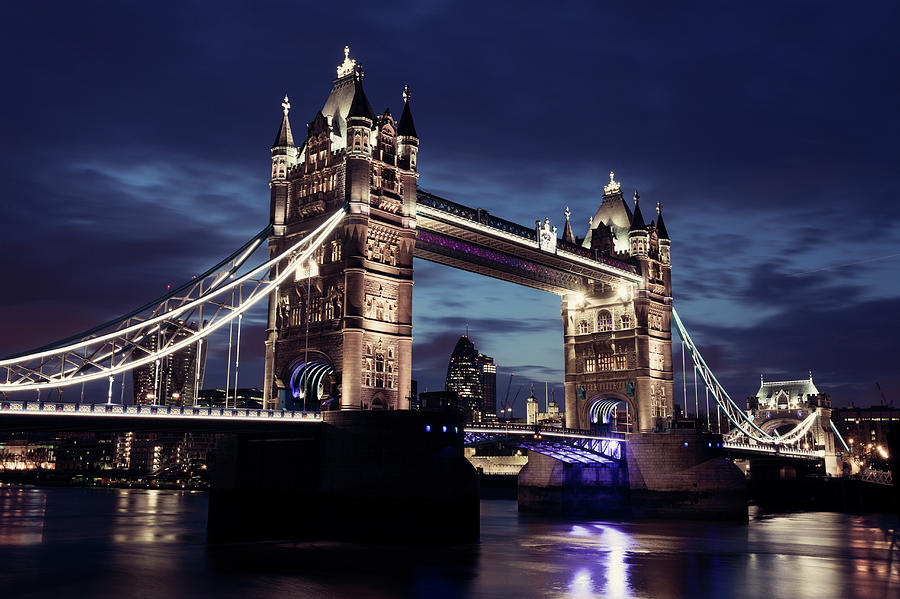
(772, 177)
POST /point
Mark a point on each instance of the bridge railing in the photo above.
(77, 409)
(773, 449)
(550, 431)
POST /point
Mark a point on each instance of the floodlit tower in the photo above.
(339, 332)
(531, 408)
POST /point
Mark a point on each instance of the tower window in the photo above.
(584, 327)
(626, 321)
(606, 362)
(604, 321)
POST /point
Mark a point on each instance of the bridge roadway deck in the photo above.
(64, 416)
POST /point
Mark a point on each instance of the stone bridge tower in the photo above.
(340, 331)
(618, 340)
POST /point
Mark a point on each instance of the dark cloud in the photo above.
(137, 155)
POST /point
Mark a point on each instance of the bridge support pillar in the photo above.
(824, 438)
(369, 476)
(663, 475)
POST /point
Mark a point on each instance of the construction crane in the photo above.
(505, 403)
(884, 400)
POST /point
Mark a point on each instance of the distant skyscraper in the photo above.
(173, 380)
(487, 370)
(463, 375)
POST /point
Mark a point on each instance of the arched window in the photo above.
(626, 321)
(584, 327)
(379, 369)
(604, 321)
(367, 372)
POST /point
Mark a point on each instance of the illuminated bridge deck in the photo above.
(26, 415)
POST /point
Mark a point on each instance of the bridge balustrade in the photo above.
(76, 409)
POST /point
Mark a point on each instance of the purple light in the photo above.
(685, 443)
(445, 428)
(427, 428)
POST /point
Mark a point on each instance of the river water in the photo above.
(132, 543)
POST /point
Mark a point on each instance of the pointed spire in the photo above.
(637, 223)
(360, 106)
(284, 137)
(406, 127)
(660, 225)
(568, 235)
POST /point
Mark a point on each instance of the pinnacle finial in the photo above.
(286, 105)
(613, 186)
(349, 64)
(637, 196)
(567, 213)
(659, 207)
(810, 375)
(761, 378)
(406, 94)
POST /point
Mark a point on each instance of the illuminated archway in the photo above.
(310, 382)
(601, 412)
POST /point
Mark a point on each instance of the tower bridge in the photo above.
(347, 218)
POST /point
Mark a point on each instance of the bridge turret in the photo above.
(663, 235)
(360, 120)
(407, 137)
(284, 156)
(408, 151)
(638, 234)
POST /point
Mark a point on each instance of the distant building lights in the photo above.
(685, 443)
(445, 428)
(427, 428)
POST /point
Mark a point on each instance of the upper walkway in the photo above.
(475, 240)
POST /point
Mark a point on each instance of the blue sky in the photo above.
(137, 154)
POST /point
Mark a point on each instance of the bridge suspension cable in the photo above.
(742, 422)
(95, 354)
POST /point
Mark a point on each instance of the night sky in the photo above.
(136, 154)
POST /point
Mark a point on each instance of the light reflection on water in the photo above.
(132, 542)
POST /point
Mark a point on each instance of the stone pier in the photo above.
(663, 475)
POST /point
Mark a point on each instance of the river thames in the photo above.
(130, 543)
